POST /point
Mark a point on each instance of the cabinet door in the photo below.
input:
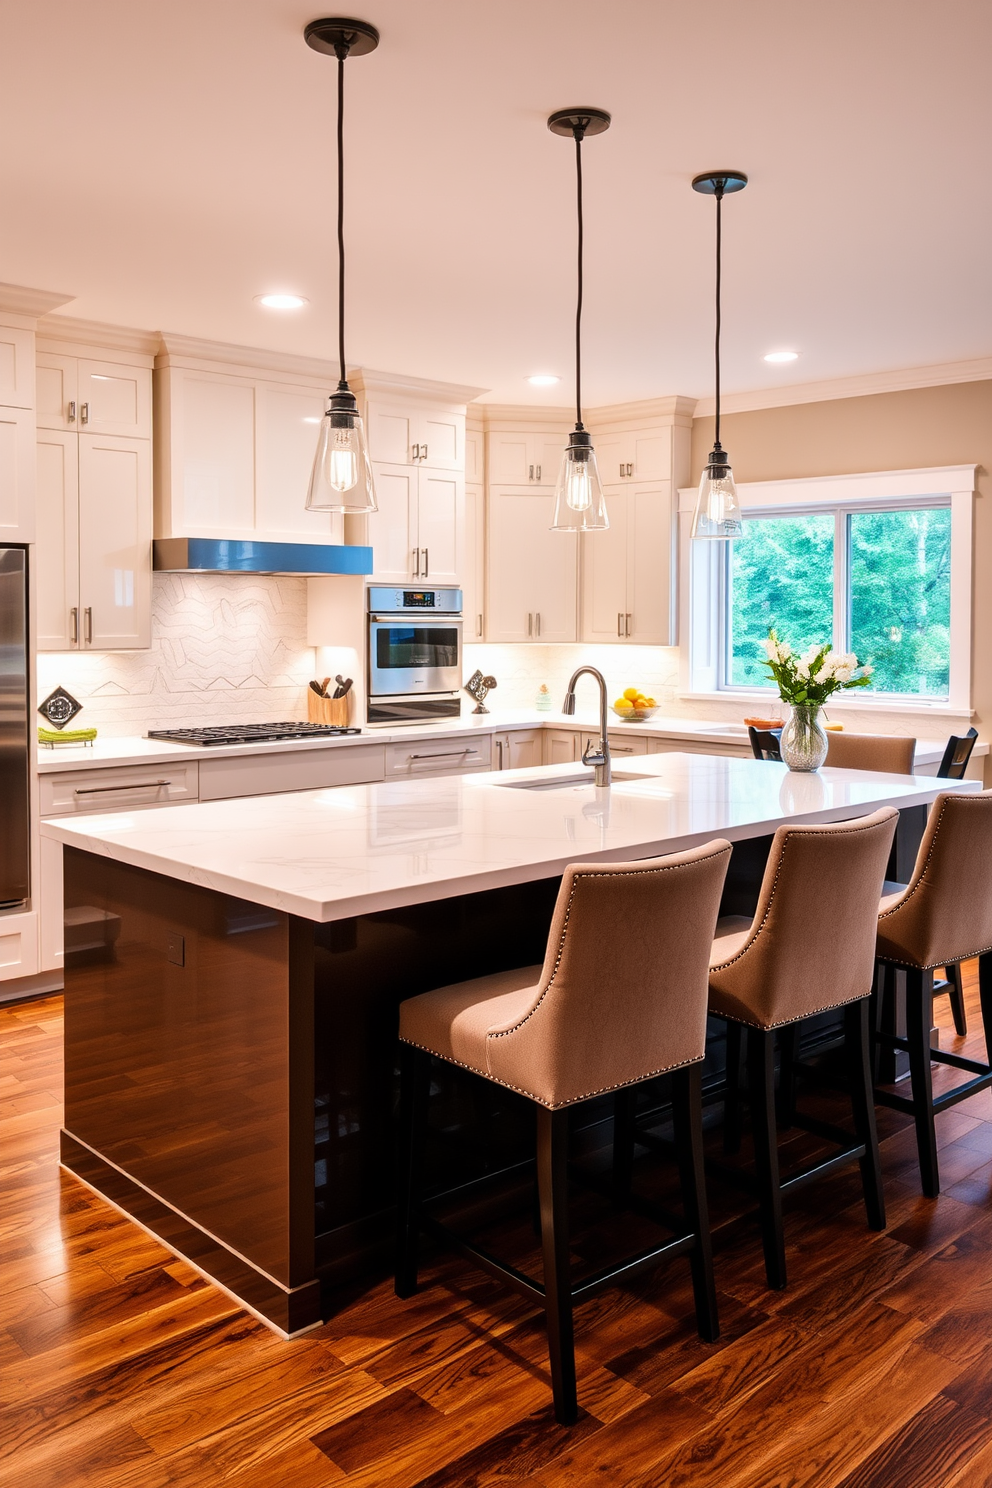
(475, 456)
(16, 367)
(651, 454)
(213, 420)
(523, 749)
(613, 455)
(439, 434)
(604, 574)
(621, 744)
(56, 554)
(56, 395)
(509, 459)
(115, 528)
(651, 563)
(473, 568)
(561, 746)
(440, 526)
(17, 474)
(287, 427)
(114, 399)
(545, 457)
(390, 432)
(391, 530)
(531, 570)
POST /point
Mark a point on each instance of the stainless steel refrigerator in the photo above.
(15, 861)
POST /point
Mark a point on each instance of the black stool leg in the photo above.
(956, 999)
(761, 1090)
(985, 998)
(886, 1019)
(552, 1179)
(919, 1020)
(415, 1084)
(788, 1044)
(623, 1143)
(863, 1103)
(732, 1099)
(687, 1114)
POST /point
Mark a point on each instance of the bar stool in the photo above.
(561, 1034)
(942, 917)
(957, 753)
(888, 752)
(766, 744)
(808, 949)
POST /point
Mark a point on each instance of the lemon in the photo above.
(623, 706)
(631, 694)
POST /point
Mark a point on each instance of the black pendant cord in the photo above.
(578, 300)
(719, 226)
(342, 52)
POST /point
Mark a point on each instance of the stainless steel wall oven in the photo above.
(414, 654)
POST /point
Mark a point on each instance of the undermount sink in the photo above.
(566, 782)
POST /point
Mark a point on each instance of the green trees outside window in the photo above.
(891, 571)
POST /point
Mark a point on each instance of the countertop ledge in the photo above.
(349, 850)
(109, 753)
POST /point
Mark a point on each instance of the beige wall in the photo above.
(888, 431)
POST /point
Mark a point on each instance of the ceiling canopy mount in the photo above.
(355, 38)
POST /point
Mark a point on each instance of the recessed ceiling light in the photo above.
(781, 356)
(543, 379)
(281, 301)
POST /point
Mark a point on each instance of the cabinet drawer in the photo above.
(306, 769)
(620, 744)
(427, 757)
(18, 945)
(118, 789)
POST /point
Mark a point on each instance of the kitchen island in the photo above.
(234, 970)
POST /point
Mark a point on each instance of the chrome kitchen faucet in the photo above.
(597, 754)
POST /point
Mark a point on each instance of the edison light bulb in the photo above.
(718, 508)
(579, 503)
(341, 480)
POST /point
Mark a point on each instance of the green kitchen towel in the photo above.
(66, 736)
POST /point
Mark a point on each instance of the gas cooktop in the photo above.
(250, 733)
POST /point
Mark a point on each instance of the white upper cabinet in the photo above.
(634, 455)
(93, 397)
(93, 557)
(403, 431)
(234, 452)
(525, 459)
(17, 474)
(418, 530)
(475, 454)
(627, 570)
(17, 355)
(532, 571)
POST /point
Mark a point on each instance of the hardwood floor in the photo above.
(120, 1367)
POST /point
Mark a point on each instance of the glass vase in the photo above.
(803, 743)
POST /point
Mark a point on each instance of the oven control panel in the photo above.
(407, 601)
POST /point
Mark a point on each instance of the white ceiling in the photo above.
(166, 160)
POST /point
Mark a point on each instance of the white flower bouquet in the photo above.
(808, 680)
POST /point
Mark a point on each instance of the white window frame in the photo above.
(702, 623)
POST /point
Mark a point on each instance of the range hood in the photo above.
(229, 555)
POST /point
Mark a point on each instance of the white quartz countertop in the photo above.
(329, 854)
(105, 753)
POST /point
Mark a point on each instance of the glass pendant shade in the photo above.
(579, 502)
(718, 509)
(341, 479)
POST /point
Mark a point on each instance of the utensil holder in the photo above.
(328, 710)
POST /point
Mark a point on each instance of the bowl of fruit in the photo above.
(634, 707)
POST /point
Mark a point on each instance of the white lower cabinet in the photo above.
(124, 787)
(519, 749)
(532, 571)
(304, 769)
(93, 555)
(423, 757)
(561, 746)
(18, 944)
(620, 744)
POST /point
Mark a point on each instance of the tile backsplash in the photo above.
(520, 670)
(226, 648)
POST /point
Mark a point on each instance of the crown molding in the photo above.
(56, 331)
(645, 410)
(456, 392)
(526, 418)
(862, 386)
(17, 299)
(176, 349)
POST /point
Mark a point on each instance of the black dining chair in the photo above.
(956, 756)
(765, 743)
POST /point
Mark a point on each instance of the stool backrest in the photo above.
(623, 989)
(956, 756)
(946, 913)
(812, 940)
(888, 752)
(765, 743)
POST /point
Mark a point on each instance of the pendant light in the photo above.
(341, 480)
(579, 502)
(718, 510)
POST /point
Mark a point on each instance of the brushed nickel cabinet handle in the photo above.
(427, 563)
(415, 451)
(531, 477)
(478, 625)
(103, 790)
(621, 748)
(537, 617)
(448, 754)
(84, 413)
(423, 452)
(416, 563)
(619, 622)
(71, 414)
(530, 624)
(74, 625)
(88, 624)
(539, 472)
(629, 618)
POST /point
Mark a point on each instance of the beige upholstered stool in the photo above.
(888, 752)
(621, 998)
(808, 949)
(942, 917)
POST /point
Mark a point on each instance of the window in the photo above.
(878, 564)
(876, 582)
